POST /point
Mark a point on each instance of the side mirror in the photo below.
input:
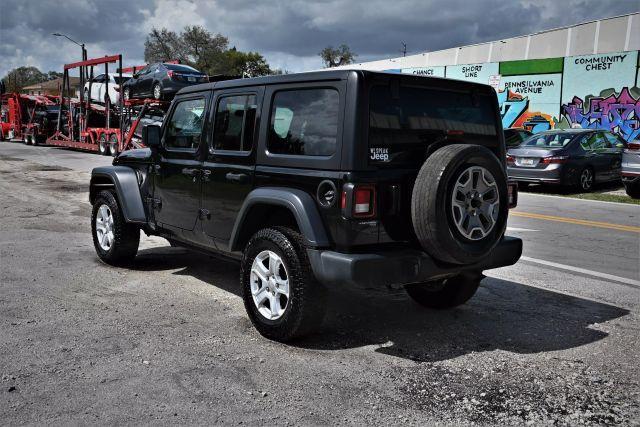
(151, 136)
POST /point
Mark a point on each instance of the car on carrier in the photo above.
(105, 88)
(162, 81)
(317, 181)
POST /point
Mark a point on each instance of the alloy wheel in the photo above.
(475, 202)
(104, 227)
(586, 179)
(157, 92)
(269, 281)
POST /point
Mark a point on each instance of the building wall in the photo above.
(585, 75)
(589, 91)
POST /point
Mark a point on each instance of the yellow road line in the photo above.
(619, 227)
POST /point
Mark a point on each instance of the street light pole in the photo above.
(84, 50)
(84, 76)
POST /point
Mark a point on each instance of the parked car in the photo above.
(106, 87)
(151, 117)
(162, 80)
(513, 137)
(631, 169)
(570, 157)
(330, 179)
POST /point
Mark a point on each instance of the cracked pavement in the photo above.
(168, 341)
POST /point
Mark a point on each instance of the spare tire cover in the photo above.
(459, 203)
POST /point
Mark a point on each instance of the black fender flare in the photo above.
(124, 181)
(298, 202)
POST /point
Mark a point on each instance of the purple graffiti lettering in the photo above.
(620, 114)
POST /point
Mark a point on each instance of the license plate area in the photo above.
(527, 162)
(191, 79)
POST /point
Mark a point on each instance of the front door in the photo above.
(177, 183)
(228, 171)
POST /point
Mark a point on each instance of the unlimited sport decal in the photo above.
(379, 154)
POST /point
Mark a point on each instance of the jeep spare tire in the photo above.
(459, 203)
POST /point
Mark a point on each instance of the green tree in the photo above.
(201, 49)
(52, 75)
(245, 64)
(20, 77)
(334, 57)
(163, 45)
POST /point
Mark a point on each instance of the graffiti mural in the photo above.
(618, 112)
(514, 109)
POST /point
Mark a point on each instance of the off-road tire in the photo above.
(633, 189)
(126, 236)
(431, 214)
(446, 293)
(306, 305)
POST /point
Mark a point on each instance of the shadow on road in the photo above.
(503, 315)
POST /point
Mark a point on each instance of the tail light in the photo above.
(359, 200)
(554, 159)
(510, 159)
(633, 146)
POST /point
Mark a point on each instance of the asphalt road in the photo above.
(554, 338)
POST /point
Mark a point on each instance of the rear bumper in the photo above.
(552, 174)
(396, 268)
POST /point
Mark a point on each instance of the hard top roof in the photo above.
(313, 76)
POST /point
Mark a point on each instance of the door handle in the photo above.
(190, 172)
(236, 177)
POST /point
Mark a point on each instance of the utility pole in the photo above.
(404, 49)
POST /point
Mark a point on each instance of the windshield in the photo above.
(549, 140)
(179, 67)
(402, 126)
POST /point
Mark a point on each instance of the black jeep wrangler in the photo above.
(320, 180)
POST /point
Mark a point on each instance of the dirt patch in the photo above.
(10, 158)
(46, 168)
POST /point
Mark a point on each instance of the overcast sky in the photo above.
(289, 33)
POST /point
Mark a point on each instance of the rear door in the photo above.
(177, 182)
(599, 156)
(228, 171)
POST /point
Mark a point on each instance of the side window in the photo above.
(99, 78)
(143, 71)
(235, 122)
(304, 122)
(184, 128)
(585, 142)
(599, 142)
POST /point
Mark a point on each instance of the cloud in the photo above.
(290, 33)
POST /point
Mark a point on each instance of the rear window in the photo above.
(179, 67)
(549, 140)
(401, 126)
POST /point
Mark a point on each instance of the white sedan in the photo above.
(106, 87)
